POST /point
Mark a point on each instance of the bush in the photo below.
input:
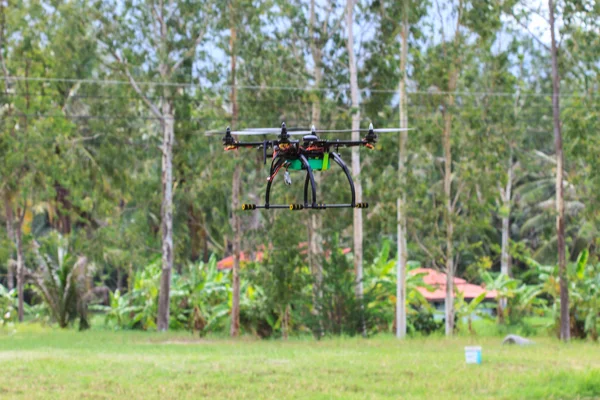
(60, 281)
(423, 321)
(199, 299)
(8, 306)
(584, 291)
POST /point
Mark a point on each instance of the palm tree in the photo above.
(60, 280)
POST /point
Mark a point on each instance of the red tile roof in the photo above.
(437, 280)
(227, 262)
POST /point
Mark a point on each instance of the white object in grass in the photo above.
(473, 354)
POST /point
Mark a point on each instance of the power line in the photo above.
(338, 89)
(109, 117)
(301, 103)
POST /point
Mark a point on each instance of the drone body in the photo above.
(309, 154)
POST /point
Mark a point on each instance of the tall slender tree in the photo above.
(520, 12)
(401, 201)
(236, 184)
(160, 38)
(355, 110)
(8, 208)
(451, 52)
(315, 246)
(565, 329)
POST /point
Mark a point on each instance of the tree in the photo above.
(560, 202)
(519, 14)
(161, 38)
(400, 204)
(236, 184)
(60, 280)
(387, 65)
(355, 110)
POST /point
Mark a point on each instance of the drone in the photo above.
(309, 154)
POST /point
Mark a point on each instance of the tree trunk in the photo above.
(235, 197)
(401, 202)
(130, 278)
(565, 333)
(315, 221)
(506, 199)
(449, 304)
(20, 266)
(120, 280)
(194, 234)
(235, 307)
(10, 278)
(63, 209)
(506, 195)
(357, 214)
(285, 322)
(168, 124)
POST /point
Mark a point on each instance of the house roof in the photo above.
(257, 256)
(437, 280)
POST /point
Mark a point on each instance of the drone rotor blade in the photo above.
(269, 131)
(248, 133)
(272, 130)
(299, 133)
(384, 130)
(380, 130)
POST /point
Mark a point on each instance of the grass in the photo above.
(47, 363)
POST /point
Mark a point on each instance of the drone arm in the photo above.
(367, 142)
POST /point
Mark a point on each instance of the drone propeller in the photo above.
(300, 131)
(268, 131)
(264, 132)
(272, 130)
(380, 130)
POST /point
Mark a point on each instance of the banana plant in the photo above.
(201, 296)
(504, 286)
(584, 289)
(380, 278)
(136, 309)
(468, 309)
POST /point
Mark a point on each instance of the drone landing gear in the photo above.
(278, 162)
(297, 207)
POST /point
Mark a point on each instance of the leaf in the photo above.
(582, 263)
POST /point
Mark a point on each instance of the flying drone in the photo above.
(309, 154)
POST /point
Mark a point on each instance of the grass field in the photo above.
(46, 363)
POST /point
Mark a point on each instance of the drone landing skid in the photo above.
(297, 207)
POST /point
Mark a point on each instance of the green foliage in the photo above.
(81, 155)
(423, 321)
(521, 300)
(8, 305)
(380, 280)
(61, 281)
(584, 289)
(136, 309)
(468, 309)
(199, 299)
(340, 311)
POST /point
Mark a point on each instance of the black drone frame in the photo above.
(293, 150)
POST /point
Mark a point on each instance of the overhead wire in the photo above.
(341, 88)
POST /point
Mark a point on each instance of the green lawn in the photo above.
(48, 363)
